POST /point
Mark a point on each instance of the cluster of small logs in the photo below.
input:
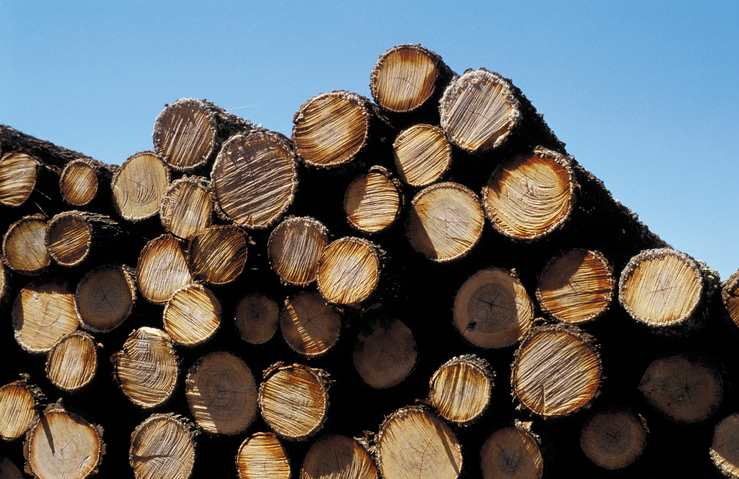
(422, 285)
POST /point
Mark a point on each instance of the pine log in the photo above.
(261, 456)
(257, 316)
(146, 367)
(221, 393)
(576, 286)
(19, 172)
(461, 389)
(62, 444)
(189, 132)
(445, 221)
(409, 78)
(254, 179)
(186, 207)
(614, 438)
(413, 443)
(72, 236)
(217, 254)
(138, 186)
(724, 449)
(105, 297)
(293, 400)
(43, 312)
(19, 402)
(338, 457)
(492, 309)
(373, 201)
(530, 195)
(556, 370)
(422, 154)
(349, 270)
(309, 326)
(683, 388)
(385, 352)
(666, 290)
(512, 452)
(192, 315)
(24, 248)
(162, 269)
(84, 180)
(295, 247)
(162, 447)
(72, 361)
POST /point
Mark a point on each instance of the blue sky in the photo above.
(644, 93)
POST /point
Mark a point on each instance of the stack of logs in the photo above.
(425, 285)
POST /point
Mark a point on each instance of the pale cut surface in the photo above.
(17, 409)
(309, 326)
(18, 171)
(105, 297)
(372, 202)
(422, 154)
(404, 78)
(385, 352)
(577, 286)
(192, 315)
(185, 133)
(445, 221)
(413, 443)
(348, 271)
(294, 248)
(162, 269)
(138, 186)
(221, 393)
(461, 389)
(42, 314)
(261, 456)
(24, 245)
(556, 371)
(218, 253)
(257, 317)
(162, 448)
(79, 182)
(68, 238)
(72, 361)
(529, 196)
(613, 439)
(186, 207)
(725, 446)
(337, 457)
(492, 309)
(511, 453)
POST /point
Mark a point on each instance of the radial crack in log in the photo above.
(162, 447)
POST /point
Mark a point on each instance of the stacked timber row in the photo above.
(421, 284)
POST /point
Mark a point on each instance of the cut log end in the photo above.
(262, 456)
(79, 183)
(338, 456)
(461, 389)
(295, 247)
(185, 134)
(218, 254)
(614, 438)
(18, 174)
(138, 186)
(18, 403)
(68, 238)
(348, 271)
(24, 246)
(511, 452)
(309, 326)
(43, 313)
(373, 201)
(257, 317)
(422, 154)
(385, 352)
(162, 447)
(724, 449)
(192, 315)
(105, 297)
(186, 207)
(72, 362)
(162, 269)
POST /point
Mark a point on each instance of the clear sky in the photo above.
(644, 93)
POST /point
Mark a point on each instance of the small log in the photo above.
(192, 315)
(146, 367)
(295, 247)
(531, 195)
(683, 388)
(422, 154)
(413, 443)
(105, 297)
(257, 317)
(666, 290)
(43, 312)
(512, 452)
(71, 236)
(19, 401)
(492, 309)
(254, 179)
(293, 400)
(24, 248)
(162, 447)
(186, 207)
(445, 221)
(556, 370)
(49, 154)
(261, 456)
(576, 286)
(407, 78)
(309, 326)
(84, 180)
(461, 389)
(385, 352)
(730, 297)
(217, 254)
(373, 201)
(162, 269)
(724, 449)
(189, 132)
(19, 172)
(138, 186)
(614, 438)
(62, 444)
(221, 393)
(349, 270)
(338, 457)
(72, 361)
